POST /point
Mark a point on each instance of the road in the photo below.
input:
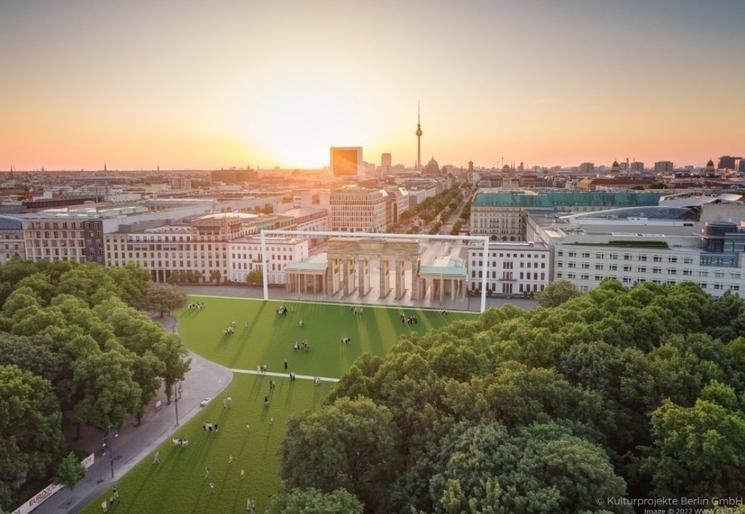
(136, 443)
(447, 226)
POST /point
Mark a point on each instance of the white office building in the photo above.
(511, 268)
(664, 246)
(244, 256)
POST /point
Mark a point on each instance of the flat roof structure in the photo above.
(553, 199)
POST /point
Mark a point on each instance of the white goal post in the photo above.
(372, 235)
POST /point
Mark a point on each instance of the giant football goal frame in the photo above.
(264, 234)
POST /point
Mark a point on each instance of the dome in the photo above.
(432, 168)
(710, 164)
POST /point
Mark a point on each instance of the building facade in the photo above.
(356, 209)
(503, 215)
(513, 269)
(11, 239)
(244, 256)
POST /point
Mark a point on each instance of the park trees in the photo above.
(557, 293)
(483, 467)
(163, 298)
(31, 439)
(70, 471)
(697, 451)
(313, 501)
(349, 444)
(74, 326)
(614, 392)
(105, 390)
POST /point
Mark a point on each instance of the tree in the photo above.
(30, 427)
(697, 450)
(172, 354)
(255, 278)
(482, 467)
(163, 298)
(313, 501)
(70, 471)
(557, 293)
(350, 444)
(105, 390)
(146, 371)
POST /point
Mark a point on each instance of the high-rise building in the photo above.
(663, 167)
(727, 162)
(637, 167)
(346, 160)
(386, 161)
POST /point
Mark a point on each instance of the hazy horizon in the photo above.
(205, 85)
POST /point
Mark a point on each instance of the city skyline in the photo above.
(203, 87)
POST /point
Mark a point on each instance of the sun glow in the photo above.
(294, 124)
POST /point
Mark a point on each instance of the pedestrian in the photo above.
(230, 459)
(114, 495)
(266, 401)
(212, 487)
(206, 472)
(248, 427)
(215, 427)
(156, 458)
(271, 420)
(243, 473)
(105, 506)
(285, 364)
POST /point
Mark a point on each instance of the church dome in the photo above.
(432, 168)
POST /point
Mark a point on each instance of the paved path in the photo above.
(135, 443)
(282, 375)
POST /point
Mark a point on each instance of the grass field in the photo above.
(269, 338)
(176, 485)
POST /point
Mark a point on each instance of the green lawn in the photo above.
(269, 338)
(176, 485)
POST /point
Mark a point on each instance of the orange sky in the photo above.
(214, 84)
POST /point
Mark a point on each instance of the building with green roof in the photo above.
(503, 215)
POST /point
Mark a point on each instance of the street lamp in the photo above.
(111, 433)
(176, 396)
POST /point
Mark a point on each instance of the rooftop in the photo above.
(635, 213)
(445, 266)
(551, 199)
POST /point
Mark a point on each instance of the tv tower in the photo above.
(418, 139)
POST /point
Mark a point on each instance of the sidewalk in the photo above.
(135, 443)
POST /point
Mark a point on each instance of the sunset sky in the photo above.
(208, 84)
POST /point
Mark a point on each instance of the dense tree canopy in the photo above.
(616, 392)
(72, 347)
(313, 501)
(31, 440)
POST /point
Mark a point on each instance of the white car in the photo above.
(205, 401)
